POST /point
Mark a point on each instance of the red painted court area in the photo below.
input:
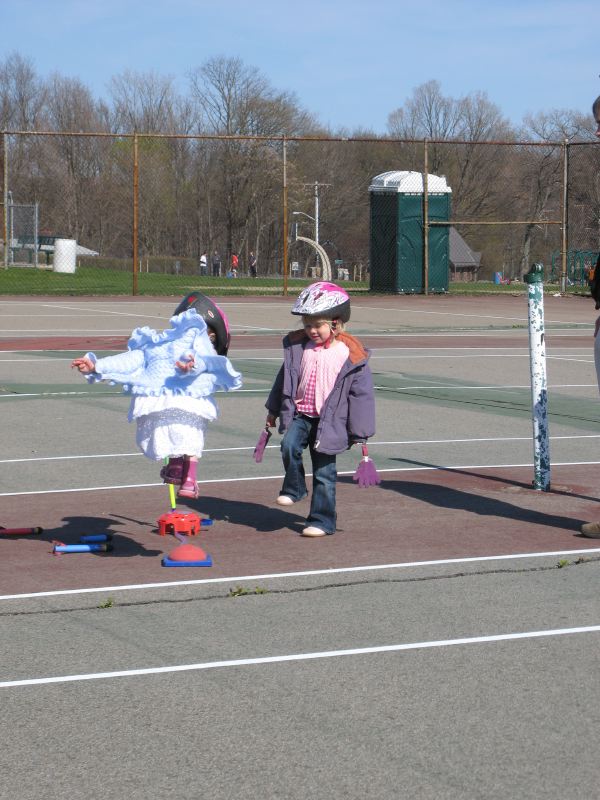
(411, 516)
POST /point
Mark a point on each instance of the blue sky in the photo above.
(350, 63)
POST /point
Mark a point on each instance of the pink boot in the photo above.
(189, 487)
(173, 471)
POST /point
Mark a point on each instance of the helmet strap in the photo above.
(332, 334)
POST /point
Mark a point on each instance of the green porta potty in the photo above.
(396, 243)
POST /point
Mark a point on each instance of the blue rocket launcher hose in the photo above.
(82, 548)
(94, 538)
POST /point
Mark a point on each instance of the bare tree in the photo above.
(236, 99)
(143, 102)
(22, 94)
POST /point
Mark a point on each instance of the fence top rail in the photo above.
(284, 137)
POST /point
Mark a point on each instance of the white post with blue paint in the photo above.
(539, 386)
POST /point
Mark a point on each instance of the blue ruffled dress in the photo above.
(171, 407)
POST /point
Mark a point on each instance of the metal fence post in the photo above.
(285, 221)
(36, 235)
(7, 244)
(539, 389)
(565, 219)
(136, 212)
(426, 218)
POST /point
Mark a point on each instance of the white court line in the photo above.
(299, 574)
(575, 358)
(108, 393)
(445, 313)
(261, 389)
(559, 333)
(309, 474)
(492, 388)
(403, 443)
(105, 311)
(70, 331)
(246, 662)
(407, 356)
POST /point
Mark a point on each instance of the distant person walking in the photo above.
(252, 265)
(204, 263)
(216, 264)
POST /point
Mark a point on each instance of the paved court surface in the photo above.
(442, 644)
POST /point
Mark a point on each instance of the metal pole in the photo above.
(7, 244)
(565, 218)
(316, 212)
(317, 221)
(11, 228)
(136, 211)
(539, 389)
(426, 220)
(36, 235)
(285, 221)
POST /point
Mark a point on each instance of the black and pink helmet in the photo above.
(214, 317)
(323, 299)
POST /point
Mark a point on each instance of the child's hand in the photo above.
(352, 442)
(188, 365)
(271, 421)
(83, 364)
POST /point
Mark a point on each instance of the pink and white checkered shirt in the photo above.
(318, 372)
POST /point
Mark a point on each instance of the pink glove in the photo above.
(261, 444)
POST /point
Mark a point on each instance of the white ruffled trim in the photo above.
(179, 324)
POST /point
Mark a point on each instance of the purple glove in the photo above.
(261, 444)
(366, 474)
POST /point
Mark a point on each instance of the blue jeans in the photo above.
(301, 434)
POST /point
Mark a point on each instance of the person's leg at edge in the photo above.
(293, 445)
(592, 529)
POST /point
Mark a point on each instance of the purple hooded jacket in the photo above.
(348, 414)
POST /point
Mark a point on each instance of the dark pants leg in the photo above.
(302, 433)
(322, 505)
(293, 445)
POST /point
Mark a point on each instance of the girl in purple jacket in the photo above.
(323, 396)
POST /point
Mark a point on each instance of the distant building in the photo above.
(464, 262)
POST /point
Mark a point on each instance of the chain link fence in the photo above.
(22, 235)
(160, 214)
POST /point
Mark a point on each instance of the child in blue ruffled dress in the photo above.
(172, 376)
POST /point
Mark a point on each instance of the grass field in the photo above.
(89, 280)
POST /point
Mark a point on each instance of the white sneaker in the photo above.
(313, 532)
(284, 500)
(591, 530)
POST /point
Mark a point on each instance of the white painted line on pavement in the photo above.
(247, 662)
(309, 474)
(372, 443)
(300, 574)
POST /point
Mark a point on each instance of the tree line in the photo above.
(201, 194)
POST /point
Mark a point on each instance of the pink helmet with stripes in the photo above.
(323, 299)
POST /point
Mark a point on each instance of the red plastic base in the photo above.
(177, 522)
(187, 555)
